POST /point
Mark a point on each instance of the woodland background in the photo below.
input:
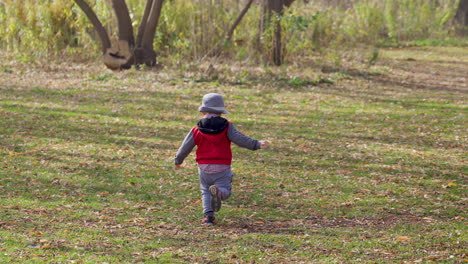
(189, 30)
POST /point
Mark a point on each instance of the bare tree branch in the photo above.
(238, 20)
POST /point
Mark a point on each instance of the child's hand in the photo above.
(264, 144)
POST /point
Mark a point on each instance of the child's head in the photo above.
(213, 103)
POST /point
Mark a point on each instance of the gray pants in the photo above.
(222, 180)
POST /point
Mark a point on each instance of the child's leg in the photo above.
(224, 183)
(205, 183)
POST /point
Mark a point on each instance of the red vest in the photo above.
(212, 148)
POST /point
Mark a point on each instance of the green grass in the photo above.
(367, 163)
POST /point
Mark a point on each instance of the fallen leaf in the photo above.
(451, 184)
(402, 238)
(37, 233)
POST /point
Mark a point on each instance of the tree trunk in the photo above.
(124, 52)
(277, 6)
(462, 16)
(124, 22)
(288, 3)
(277, 58)
(144, 19)
(144, 52)
(151, 24)
(102, 33)
(120, 55)
(218, 48)
(261, 23)
(238, 20)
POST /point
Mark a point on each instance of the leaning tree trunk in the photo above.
(218, 48)
(238, 20)
(101, 31)
(461, 16)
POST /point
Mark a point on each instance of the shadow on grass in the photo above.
(315, 223)
(52, 123)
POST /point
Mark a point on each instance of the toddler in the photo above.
(213, 135)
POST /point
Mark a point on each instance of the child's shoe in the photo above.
(215, 198)
(209, 220)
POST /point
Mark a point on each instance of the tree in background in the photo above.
(192, 30)
(462, 16)
(127, 50)
(277, 7)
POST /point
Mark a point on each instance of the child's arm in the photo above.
(244, 141)
(184, 150)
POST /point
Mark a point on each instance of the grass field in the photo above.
(367, 164)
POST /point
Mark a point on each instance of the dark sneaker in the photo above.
(215, 198)
(208, 220)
